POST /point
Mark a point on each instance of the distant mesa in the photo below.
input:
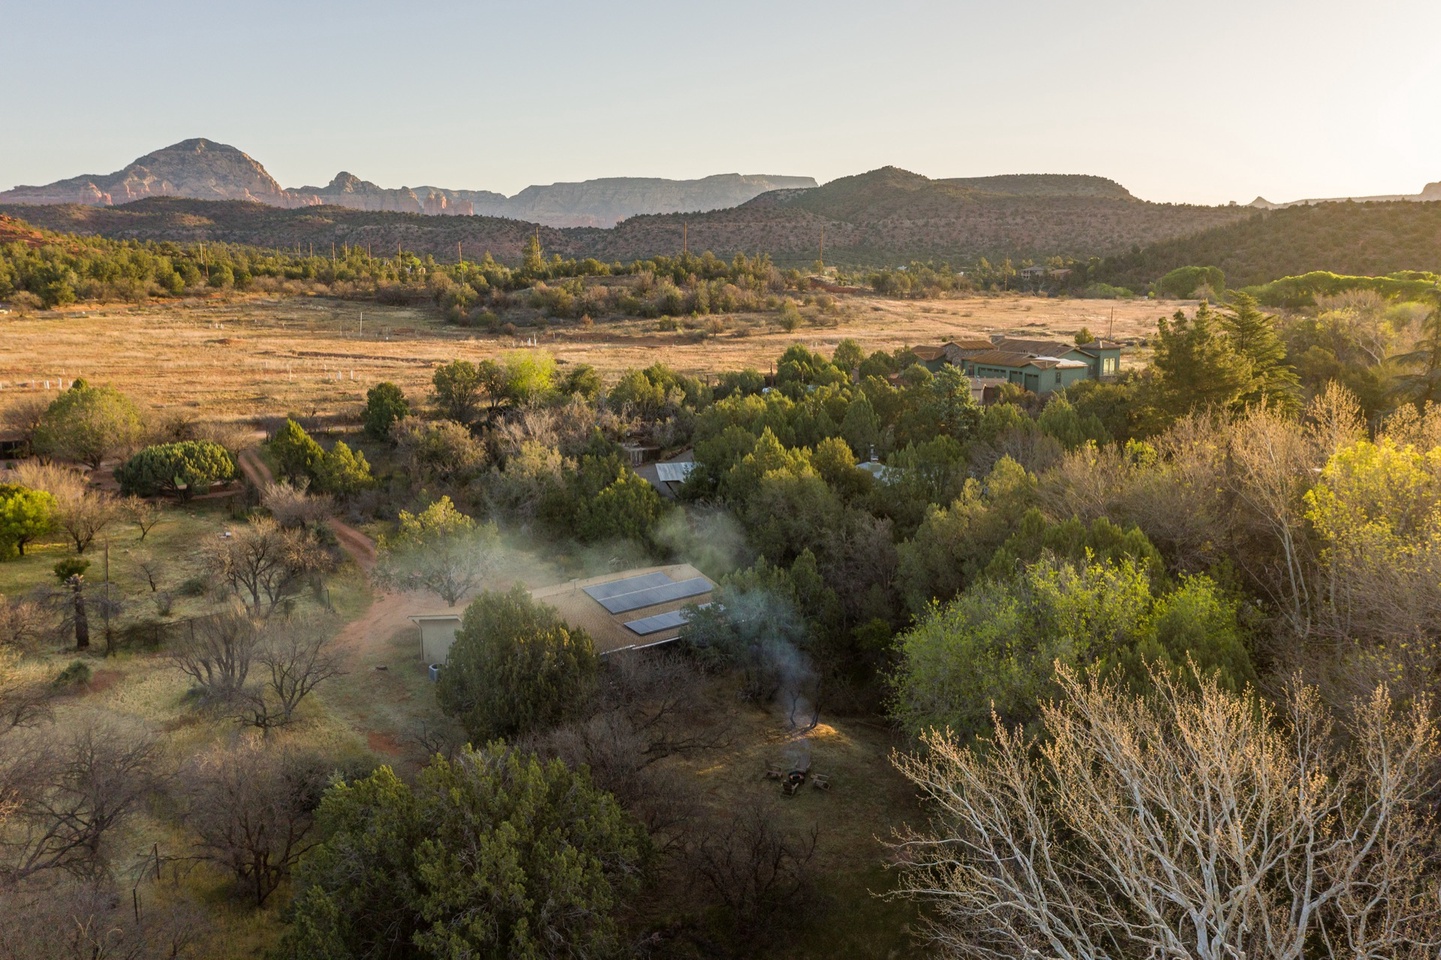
(1432, 191)
(205, 170)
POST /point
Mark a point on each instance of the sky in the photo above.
(1178, 101)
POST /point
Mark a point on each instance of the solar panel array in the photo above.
(602, 592)
(634, 593)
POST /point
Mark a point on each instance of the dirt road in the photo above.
(357, 545)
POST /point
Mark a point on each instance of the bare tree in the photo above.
(296, 659)
(150, 567)
(263, 564)
(252, 809)
(84, 515)
(92, 921)
(217, 655)
(24, 701)
(23, 416)
(145, 514)
(21, 621)
(1271, 461)
(757, 869)
(292, 505)
(81, 511)
(1191, 824)
(61, 800)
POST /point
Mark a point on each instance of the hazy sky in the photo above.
(1187, 101)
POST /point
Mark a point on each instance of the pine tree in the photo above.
(1195, 367)
(1253, 336)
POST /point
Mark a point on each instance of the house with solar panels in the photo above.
(621, 611)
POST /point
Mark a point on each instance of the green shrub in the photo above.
(75, 675)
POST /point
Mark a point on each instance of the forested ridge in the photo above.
(1359, 239)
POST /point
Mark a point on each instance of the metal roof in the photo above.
(1010, 358)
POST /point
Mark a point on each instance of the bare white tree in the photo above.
(1191, 824)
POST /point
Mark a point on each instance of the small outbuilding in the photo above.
(437, 634)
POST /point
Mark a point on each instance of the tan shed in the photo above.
(437, 634)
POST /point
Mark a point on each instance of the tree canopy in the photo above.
(25, 515)
(88, 425)
(439, 549)
(492, 854)
(183, 469)
(515, 667)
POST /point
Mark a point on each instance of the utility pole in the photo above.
(206, 261)
(109, 639)
(362, 324)
(1111, 327)
(684, 239)
(823, 247)
(459, 257)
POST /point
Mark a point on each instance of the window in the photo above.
(1058, 376)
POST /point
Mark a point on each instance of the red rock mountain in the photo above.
(206, 170)
(198, 169)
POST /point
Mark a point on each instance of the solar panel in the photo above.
(650, 596)
(674, 472)
(657, 623)
(614, 588)
(661, 621)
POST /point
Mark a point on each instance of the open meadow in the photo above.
(247, 357)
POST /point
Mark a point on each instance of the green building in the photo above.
(1040, 375)
(1102, 357)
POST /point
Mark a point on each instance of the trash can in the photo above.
(435, 673)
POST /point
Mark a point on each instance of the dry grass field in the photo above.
(243, 358)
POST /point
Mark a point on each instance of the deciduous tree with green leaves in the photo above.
(991, 652)
(88, 425)
(25, 515)
(455, 390)
(439, 549)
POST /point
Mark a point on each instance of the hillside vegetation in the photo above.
(1370, 239)
(885, 216)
